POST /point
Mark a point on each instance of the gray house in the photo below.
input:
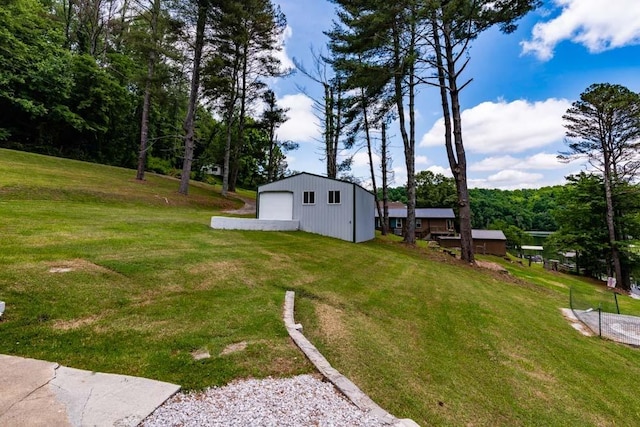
(321, 205)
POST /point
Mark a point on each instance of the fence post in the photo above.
(600, 320)
(615, 296)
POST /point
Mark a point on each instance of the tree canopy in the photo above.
(119, 82)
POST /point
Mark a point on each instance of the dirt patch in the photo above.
(77, 264)
(234, 348)
(220, 268)
(284, 366)
(249, 207)
(491, 266)
(67, 325)
(217, 272)
(332, 323)
(200, 354)
(554, 283)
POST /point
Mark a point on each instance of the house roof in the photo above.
(488, 234)
(480, 235)
(422, 213)
(317, 176)
(532, 248)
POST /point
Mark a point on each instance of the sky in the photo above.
(511, 111)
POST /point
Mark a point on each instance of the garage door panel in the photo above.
(276, 205)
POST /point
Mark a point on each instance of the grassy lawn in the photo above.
(147, 283)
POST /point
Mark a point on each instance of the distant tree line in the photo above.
(527, 209)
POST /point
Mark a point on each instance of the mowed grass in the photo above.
(149, 283)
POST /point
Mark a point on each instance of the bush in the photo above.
(158, 165)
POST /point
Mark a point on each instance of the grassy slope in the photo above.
(427, 338)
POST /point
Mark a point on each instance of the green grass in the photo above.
(425, 336)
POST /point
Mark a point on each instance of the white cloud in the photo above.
(510, 180)
(440, 170)
(421, 160)
(501, 127)
(492, 164)
(361, 158)
(281, 54)
(302, 125)
(537, 161)
(596, 24)
(510, 175)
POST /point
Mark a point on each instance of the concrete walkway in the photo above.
(38, 393)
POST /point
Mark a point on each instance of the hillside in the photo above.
(105, 273)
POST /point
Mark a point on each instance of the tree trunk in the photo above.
(237, 147)
(410, 161)
(270, 160)
(457, 157)
(189, 121)
(227, 153)
(615, 252)
(398, 95)
(144, 125)
(336, 105)
(67, 8)
(385, 185)
(329, 129)
(365, 118)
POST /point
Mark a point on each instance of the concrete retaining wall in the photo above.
(227, 223)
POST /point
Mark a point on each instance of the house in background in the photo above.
(486, 242)
(320, 205)
(212, 169)
(430, 222)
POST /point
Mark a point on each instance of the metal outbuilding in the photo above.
(321, 205)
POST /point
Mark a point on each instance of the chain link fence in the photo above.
(601, 314)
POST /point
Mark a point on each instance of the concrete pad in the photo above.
(230, 223)
(96, 399)
(26, 400)
(38, 393)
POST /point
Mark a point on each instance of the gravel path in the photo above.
(299, 401)
(249, 207)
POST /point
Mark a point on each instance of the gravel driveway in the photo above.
(304, 400)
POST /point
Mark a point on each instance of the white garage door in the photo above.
(277, 205)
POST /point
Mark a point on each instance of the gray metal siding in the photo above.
(364, 215)
(334, 220)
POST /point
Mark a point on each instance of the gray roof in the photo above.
(317, 176)
(422, 213)
(488, 234)
(481, 234)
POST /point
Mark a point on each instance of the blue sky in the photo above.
(512, 111)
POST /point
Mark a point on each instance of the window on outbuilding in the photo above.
(398, 222)
(418, 222)
(309, 198)
(334, 197)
